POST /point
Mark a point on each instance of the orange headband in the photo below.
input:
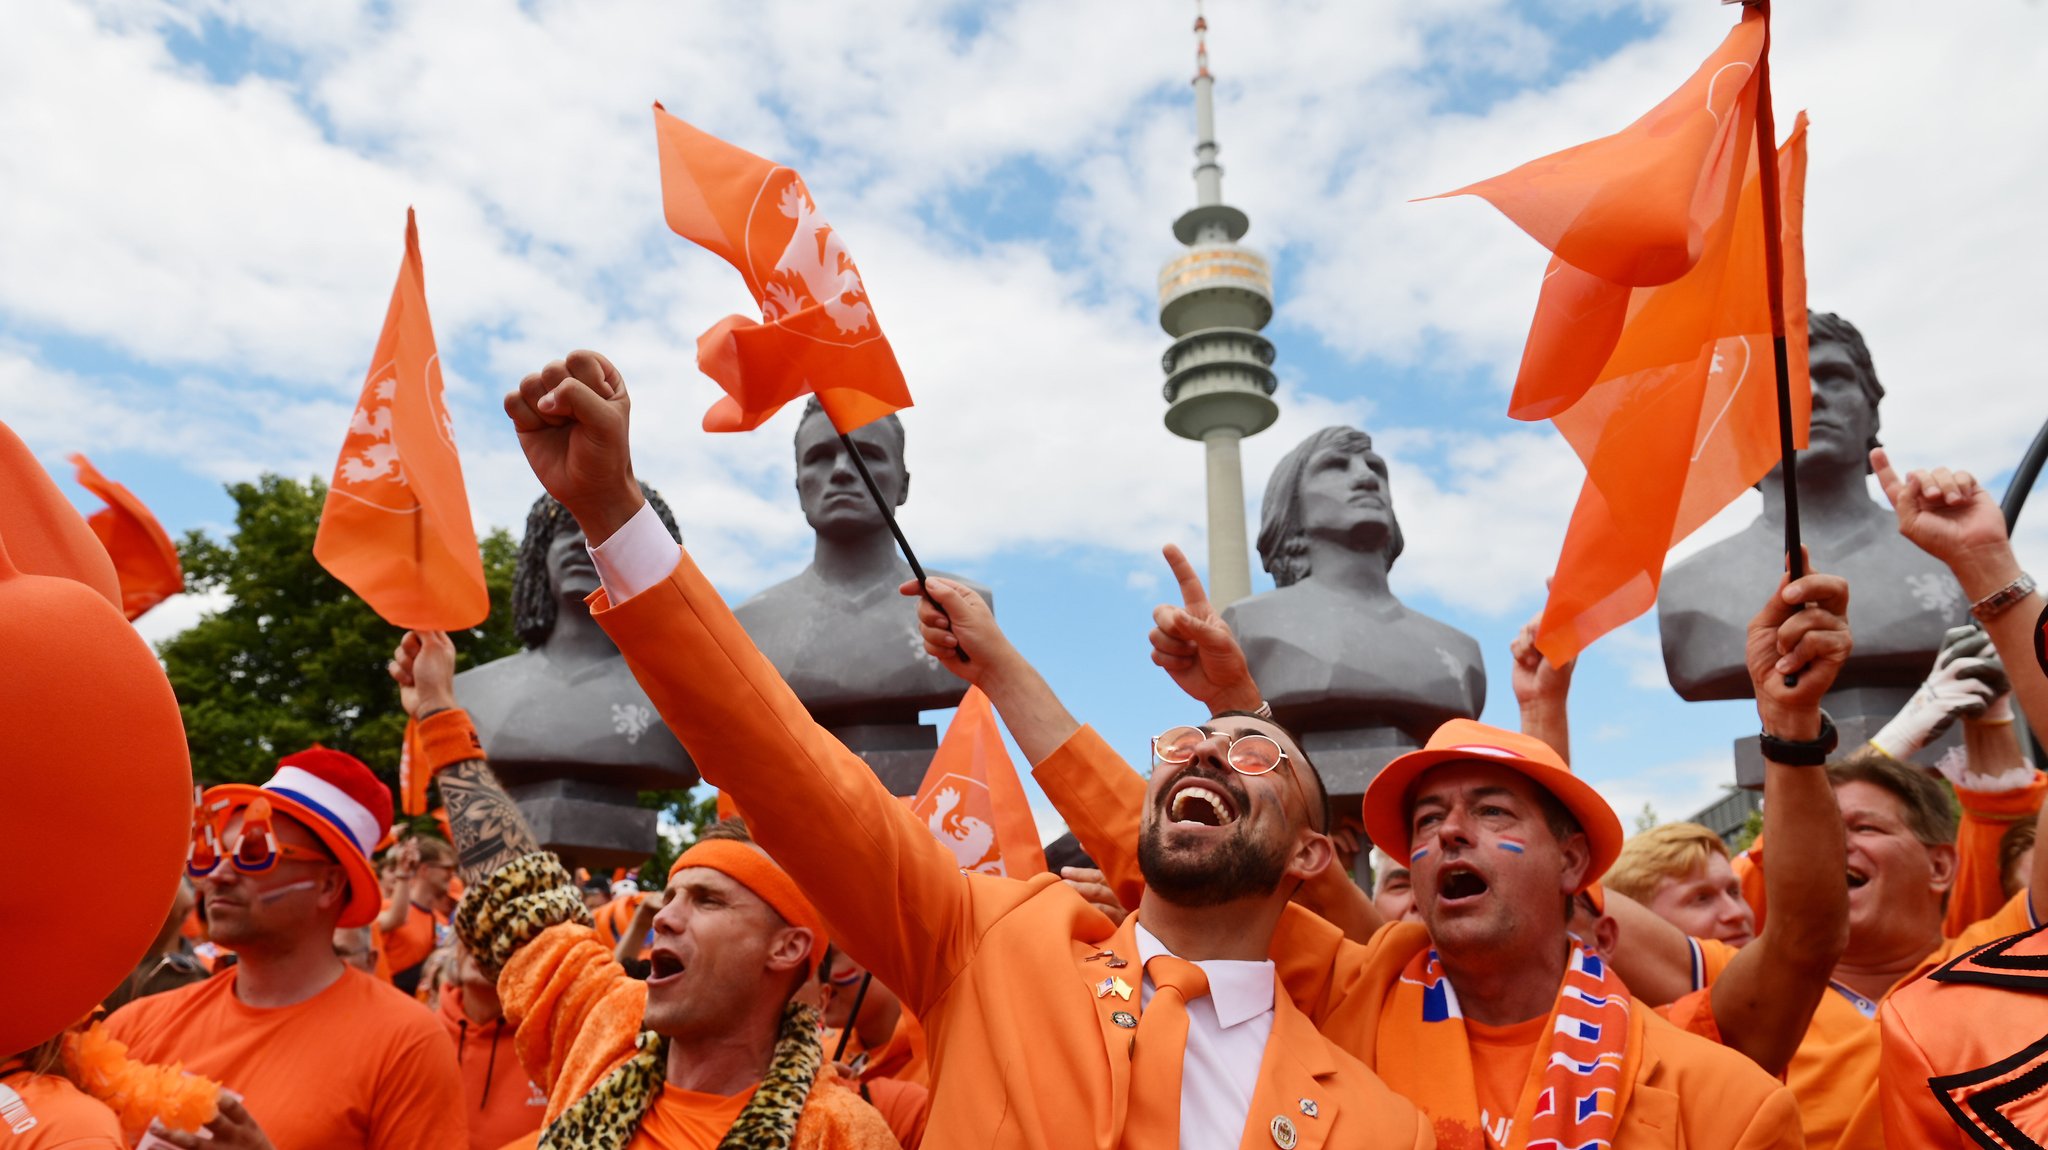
(750, 868)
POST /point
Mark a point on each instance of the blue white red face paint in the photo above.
(1417, 855)
(1511, 846)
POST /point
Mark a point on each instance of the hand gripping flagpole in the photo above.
(1774, 273)
(889, 517)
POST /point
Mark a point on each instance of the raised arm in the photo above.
(1951, 517)
(893, 897)
(1542, 691)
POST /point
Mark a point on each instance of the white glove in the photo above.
(1967, 681)
(1955, 767)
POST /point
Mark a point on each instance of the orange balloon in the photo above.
(45, 534)
(98, 788)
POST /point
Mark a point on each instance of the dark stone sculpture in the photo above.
(566, 726)
(1356, 675)
(1901, 599)
(839, 632)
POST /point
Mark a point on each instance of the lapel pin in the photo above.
(1122, 988)
(1116, 963)
(1104, 988)
(1308, 1107)
(1125, 1019)
(1283, 1133)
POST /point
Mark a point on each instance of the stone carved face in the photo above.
(1332, 486)
(1844, 416)
(835, 501)
(571, 574)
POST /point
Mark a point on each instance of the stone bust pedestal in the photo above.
(567, 728)
(1901, 599)
(1358, 676)
(839, 633)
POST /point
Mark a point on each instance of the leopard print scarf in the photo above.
(607, 1117)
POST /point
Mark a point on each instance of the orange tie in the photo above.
(1153, 1122)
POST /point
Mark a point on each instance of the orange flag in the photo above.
(145, 559)
(45, 534)
(818, 333)
(971, 798)
(1682, 417)
(396, 527)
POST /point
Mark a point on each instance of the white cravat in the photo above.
(1227, 1033)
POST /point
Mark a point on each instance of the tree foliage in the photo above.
(295, 657)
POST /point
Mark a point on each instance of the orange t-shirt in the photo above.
(498, 1096)
(409, 945)
(357, 1065)
(687, 1120)
(46, 1112)
(1500, 1066)
(615, 917)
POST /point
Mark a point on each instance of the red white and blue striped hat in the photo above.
(337, 798)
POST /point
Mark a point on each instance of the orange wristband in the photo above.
(446, 738)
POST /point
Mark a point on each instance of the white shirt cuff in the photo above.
(637, 556)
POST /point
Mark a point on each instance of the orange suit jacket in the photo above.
(1024, 1052)
(1688, 1092)
(1966, 1051)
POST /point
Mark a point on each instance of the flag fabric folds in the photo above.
(145, 559)
(973, 801)
(44, 532)
(396, 527)
(1683, 417)
(818, 333)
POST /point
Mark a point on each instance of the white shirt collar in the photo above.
(1241, 990)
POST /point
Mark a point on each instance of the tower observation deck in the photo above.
(1214, 301)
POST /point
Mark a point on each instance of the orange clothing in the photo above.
(905, 1106)
(1964, 1053)
(1979, 889)
(1000, 971)
(356, 1065)
(407, 947)
(1500, 1062)
(46, 1112)
(499, 1100)
(615, 918)
(687, 1120)
(903, 1056)
(1834, 1072)
(1749, 873)
(1685, 1091)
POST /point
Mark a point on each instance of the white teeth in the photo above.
(1219, 808)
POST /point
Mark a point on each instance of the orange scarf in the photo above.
(1578, 1082)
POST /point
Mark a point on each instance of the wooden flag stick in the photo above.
(889, 517)
(1774, 272)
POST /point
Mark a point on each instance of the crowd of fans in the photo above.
(1475, 958)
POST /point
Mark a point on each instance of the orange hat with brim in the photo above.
(337, 798)
(1388, 796)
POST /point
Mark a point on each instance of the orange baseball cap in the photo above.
(1389, 795)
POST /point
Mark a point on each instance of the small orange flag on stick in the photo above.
(972, 800)
(145, 559)
(818, 333)
(396, 526)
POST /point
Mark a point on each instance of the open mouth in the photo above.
(663, 966)
(1457, 883)
(1197, 802)
(1857, 879)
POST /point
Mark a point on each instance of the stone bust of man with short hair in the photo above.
(1901, 599)
(1331, 647)
(839, 632)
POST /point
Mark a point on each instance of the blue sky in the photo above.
(212, 196)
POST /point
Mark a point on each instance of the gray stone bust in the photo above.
(839, 632)
(1900, 598)
(567, 705)
(1331, 647)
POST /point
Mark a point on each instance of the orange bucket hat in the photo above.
(1389, 795)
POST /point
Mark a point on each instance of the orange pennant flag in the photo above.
(45, 534)
(145, 559)
(396, 526)
(972, 800)
(1682, 417)
(818, 333)
(1635, 207)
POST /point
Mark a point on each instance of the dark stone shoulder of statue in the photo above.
(852, 655)
(1901, 600)
(533, 714)
(1326, 659)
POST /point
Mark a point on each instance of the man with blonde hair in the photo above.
(1682, 871)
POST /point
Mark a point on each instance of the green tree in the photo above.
(295, 657)
(1646, 819)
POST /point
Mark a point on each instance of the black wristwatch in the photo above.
(1796, 753)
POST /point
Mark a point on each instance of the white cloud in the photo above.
(177, 613)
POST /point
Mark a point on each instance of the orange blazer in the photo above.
(1965, 1052)
(1023, 1052)
(1688, 1092)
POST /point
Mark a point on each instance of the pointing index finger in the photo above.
(1192, 594)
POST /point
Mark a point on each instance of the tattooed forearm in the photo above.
(488, 829)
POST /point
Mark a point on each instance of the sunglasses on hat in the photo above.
(251, 849)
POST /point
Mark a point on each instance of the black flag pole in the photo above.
(853, 1015)
(1774, 273)
(889, 517)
